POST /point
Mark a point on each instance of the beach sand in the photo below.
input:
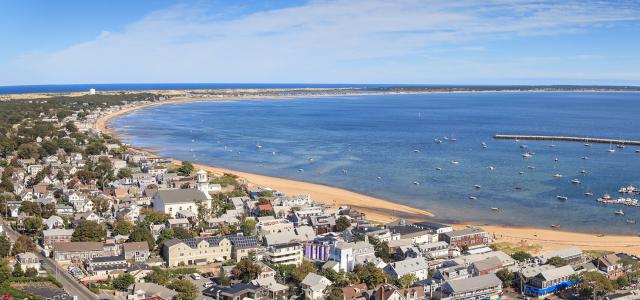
(384, 211)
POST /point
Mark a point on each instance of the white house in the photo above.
(348, 254)
(313, 286)
(417, 266)
(174, 200)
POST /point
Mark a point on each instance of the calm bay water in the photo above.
(368, 144)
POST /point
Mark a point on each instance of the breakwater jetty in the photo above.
(566, 139)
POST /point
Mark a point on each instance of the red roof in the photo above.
(264, 207)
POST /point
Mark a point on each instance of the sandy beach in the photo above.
(384, 211)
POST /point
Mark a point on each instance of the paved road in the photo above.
(70, 284)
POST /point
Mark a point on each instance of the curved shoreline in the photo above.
(383, 211)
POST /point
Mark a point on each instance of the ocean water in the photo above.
(382, 145)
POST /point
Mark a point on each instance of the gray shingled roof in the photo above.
(473, 283)
(181, 196)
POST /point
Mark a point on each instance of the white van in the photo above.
(196, 276)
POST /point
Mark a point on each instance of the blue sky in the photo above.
(321, 41)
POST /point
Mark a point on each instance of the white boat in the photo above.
(484, 145)
(588, 194)
(300, 170)
(492, 168)
(575, 181)
(620, 146)
(454, 162)
(638, 151)
(273, 153)
(562, 198)
(495, 209)
(630, 221)
(557, 175)
(477, 186)
(619, 213)
(556, 159)
(526, 155)
(583, 171)
(438, 141)
(416, 150)
(584, 157)
(473, 197)
(438, 169)
(587, 145)
(523, 146)
(520, 173)
(531, 167)
(258, 146)
(416, 183)
(379, 178)
(552, 146)
(611, 150)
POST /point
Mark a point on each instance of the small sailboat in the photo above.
(552, 146)
(562, 198)
(258, 146)
(556, 226)
(587, 145)
(453, 138)
(379, 178)
(523, 146)
(273, 153)
(477, 186)
(556, 159)
(611, 150)
(484, 145)
(492, 168)
(520, 173)
(575, 181)
(619, 213)
(416, 183)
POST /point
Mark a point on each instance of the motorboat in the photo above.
(557, 175)
(588, 194)
(575, 181)
(562, 198)
(526, 155)
(473, 197)
(477, 186)
(454, 162)
(619, 213)
(438, 169)
(492, 168)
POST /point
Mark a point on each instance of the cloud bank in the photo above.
(338, 41)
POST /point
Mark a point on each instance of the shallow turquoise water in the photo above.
(350, 142)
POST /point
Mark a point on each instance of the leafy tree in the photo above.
(248, 226)
(123, 281)
(246, 270)
(597, 280)
(154, 217)
(370, 274)
(381, 249)
(31, 272)
(557, 261)
(142, 234)
(88, 231)
(101, 205)
(30, 208)
(333, 292)
(31, 150)
(158, 276)
(342, 223)
(506, 276)
(124, 173)
(185, 169)
(407, 280)
(301, 271)
(5, 244)
(17, 270)
(32, 224)
(122, 227)
(166, 234)
(521, 256)
(622, 281)
(186, 290)
(5, 270)
(23, 244)
(181, 233)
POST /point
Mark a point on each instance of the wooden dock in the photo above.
(566, 139)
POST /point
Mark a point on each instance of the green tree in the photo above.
(342, 223)
(30, 208)
(248, 226)
(32, 224)
(181, 233)
(407, 280)
(88, 231)
(154, 217)
(5, 270)
(17, 270)
(506, 276)
(333, 292)
(5, 244)
(31, 272)
(122, 227)
(142, 234)
(123, 281)
(521, 256)
(301, 271)
(186, 290)
(185, 169)
(158, 276)
(557, 261)
(381, 249)
(124, 173)
(23, 244)
(594, 281)
(370, 274)
(246, 270)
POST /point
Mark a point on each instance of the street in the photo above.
(70, 284)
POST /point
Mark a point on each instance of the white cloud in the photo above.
(321, 41)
